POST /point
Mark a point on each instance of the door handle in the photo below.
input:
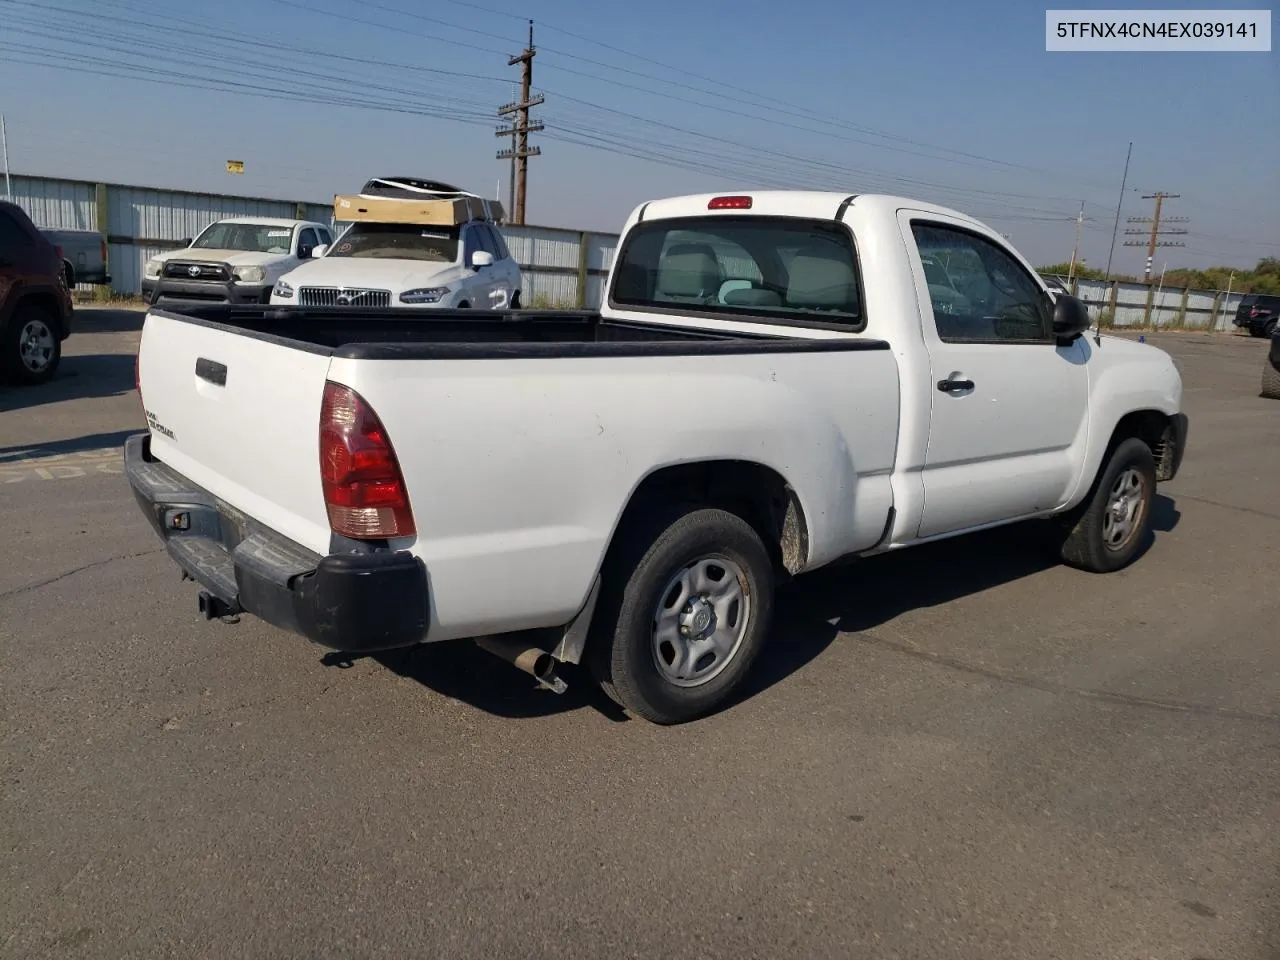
(954, 386)
(212, 371)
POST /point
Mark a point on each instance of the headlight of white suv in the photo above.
(424, 295)
(282, 290)
(152, 269)
(249, 274)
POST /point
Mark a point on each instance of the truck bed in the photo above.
(521, 436)
(390, 333)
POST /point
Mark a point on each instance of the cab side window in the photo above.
(979, 293)
(306, 242)
(470, 244)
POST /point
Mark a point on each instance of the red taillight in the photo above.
(58, 250)
(364, 491)
(1253, 312)
(729, 203)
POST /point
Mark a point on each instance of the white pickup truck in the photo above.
(236, 260)
(774, 384)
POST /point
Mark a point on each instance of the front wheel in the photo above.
(686, 605)
(1115, 520)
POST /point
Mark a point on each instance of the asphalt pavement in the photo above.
(960, 751)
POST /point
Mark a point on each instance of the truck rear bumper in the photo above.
(356, 602)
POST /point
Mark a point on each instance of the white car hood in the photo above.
(378, 274)
(236, 258)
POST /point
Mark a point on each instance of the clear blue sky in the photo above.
(953, 102)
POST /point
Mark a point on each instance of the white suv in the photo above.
(408, 265)
(237, 260)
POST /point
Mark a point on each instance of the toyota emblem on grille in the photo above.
(193, 270)
(344, 299)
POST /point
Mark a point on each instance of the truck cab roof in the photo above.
(816, 204)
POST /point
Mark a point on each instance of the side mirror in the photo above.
(185, 241)
(482, 258)
(319, 251)
(1070, 318)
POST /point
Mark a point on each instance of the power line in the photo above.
(840, 168)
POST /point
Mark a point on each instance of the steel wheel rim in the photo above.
(1125, 511)
(700, 621)
(35, 345)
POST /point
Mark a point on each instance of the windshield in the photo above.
(790, 269)
(255, 237)
(398, 241)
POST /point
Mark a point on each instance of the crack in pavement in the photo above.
(1229, 506)
(1050, 686)
(88, 566)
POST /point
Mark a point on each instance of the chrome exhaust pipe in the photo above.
(532, 660)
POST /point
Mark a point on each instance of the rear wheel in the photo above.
(515, 300)
(1270, 381)
(1269, 329)
(686, 605)
(31, 350)
(464, 305)
(1115, 520)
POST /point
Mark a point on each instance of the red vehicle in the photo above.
(35, 304)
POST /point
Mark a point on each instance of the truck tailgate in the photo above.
(240, 417)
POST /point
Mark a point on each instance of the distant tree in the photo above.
(1062, 269)
(1263, 278)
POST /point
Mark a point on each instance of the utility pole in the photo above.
(4, 140)
(1230, 280)
(1071, 270)
(1153, 239)
(519, 131)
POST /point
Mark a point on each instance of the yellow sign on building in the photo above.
(235, 166)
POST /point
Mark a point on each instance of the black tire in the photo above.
(1256, 331)
(648, 552)
(464, 305)
(1270, 381)
(515, 301)
(1086, 544)
(1269, 328)
(30, 319)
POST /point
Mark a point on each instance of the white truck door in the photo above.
(1008, 402)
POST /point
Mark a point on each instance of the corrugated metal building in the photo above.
(562, 267)
(140, 222)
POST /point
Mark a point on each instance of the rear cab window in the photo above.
(779, 269)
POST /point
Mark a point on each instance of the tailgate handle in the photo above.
(212, 371)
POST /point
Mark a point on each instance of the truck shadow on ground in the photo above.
(58, 448)
(91, 376)
(811, 612)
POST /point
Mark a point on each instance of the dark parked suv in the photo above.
(1258, 314)
(35, 304)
